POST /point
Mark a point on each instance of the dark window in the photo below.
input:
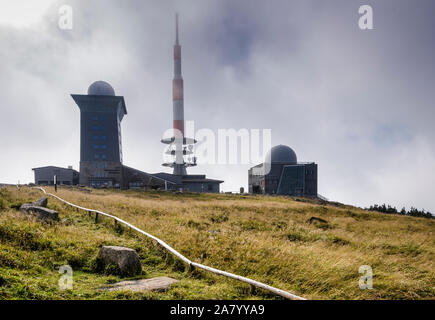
(103, 137)
(95, 146)
(95, 118)
(96, 156)
(103, 156)
(104, 147)
(95, 137)
(95, 127)
(210, 187)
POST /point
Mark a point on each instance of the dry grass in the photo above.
(265, 238)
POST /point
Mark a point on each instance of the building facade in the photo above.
(281, 174)
(101, 113)
(66, 176)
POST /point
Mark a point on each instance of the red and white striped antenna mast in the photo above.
(178, 144)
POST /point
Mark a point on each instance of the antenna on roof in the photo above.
(176, 29)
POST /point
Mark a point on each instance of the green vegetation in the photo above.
(413, 212)
(269, 239)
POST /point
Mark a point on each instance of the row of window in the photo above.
(103, 175)
(96, 118)
(100, 165)
(98, 137)
(100, 156)
(96, 147)
(96, 127)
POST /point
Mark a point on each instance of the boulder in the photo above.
(40, 212)
(41, 202)
(125, 259)
(315, 219)
(153, 284)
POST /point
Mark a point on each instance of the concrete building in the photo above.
(281, 174)
(45, 175)
(101, 113)
(101, 163)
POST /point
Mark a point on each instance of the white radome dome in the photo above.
(101, 88)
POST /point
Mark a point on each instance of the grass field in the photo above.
(268, 239)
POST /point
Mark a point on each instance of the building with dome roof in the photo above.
(101, 163)
(282, 174)
(101, 113)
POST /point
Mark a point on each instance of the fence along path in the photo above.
(254, 283)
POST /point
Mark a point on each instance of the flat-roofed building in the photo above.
(66, 176)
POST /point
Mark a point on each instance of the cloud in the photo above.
(359, 103)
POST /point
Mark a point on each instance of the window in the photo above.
(101, 118)
(103, 156)
(103, 138)
(96, 165)
(95, 137)
(96, 174)
(95, 118)
(104, 147)
(96, 146)
(96, 156)
(95, 127)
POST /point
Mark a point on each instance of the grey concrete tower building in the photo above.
(101, 113)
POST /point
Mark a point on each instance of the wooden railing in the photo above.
(191, 264)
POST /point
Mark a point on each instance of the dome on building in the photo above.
(101, 88)
(282, 154)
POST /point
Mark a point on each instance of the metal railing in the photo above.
(191, 264)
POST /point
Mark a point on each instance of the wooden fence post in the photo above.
(253, 289)
(191, 268)
(96, 217)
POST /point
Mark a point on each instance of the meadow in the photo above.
(269, 239)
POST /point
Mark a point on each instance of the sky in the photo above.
(359, 103)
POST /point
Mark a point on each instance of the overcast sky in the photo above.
(358, 103)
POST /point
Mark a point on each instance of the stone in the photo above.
(41, 202)
(153, 284)
(315, 219)
(126, 259)
(40, 212)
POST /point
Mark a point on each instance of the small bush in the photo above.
(219, 218)
(338, 241)
(3, 204)
(302, 236)
(253, 225)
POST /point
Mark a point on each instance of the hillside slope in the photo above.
(269, 239)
